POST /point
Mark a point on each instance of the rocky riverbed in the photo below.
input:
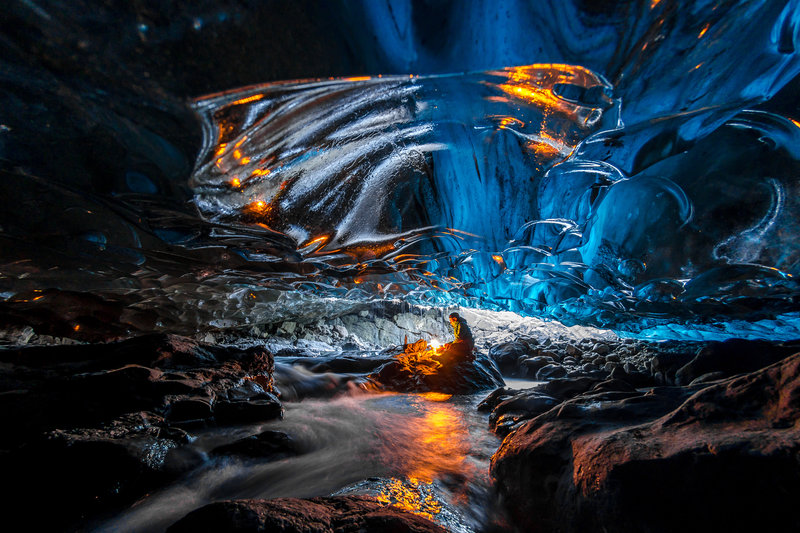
(599, 434)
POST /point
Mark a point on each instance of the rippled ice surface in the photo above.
(649, 184)
(428, 453)
(516, 189)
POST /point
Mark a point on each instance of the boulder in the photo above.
(523, 406)
(270, 444)
(465, 377)
(293, 515)
(720, 457)
(733, 356)
(551, 372)
(530, 366)
(507, 357)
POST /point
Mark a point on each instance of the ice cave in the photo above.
(400, 265)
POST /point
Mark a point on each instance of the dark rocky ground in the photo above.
(616, 436)
(636, 437)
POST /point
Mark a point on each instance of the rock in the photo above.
(601, 349)
(721, 459)
(507, 357)
(247, 411)
(495, 397)
(522, 406)
(532, 365)
(572, 350)
(188, 409)
(555, 356)
(460, 378)
(609, 367)
(97, 421)
(551, 372)
(564, 389)
(96, 469)
(665, 363)
(613, 385)
(731, 357)
(293, 515)
(707, 378)
(271, 445)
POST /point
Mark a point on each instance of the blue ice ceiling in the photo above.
(631, 165)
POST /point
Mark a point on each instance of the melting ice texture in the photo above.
(648, 185)
(517, 189)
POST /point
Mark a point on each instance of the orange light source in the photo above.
(235, 182)
(321, 240)
(358, 78)
(259, 207)
(498, 259)
(237, 154)
(704, 30)
(254, 98)
(76, 327)
(245, 160)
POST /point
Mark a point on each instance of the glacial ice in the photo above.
(486, 190)
(637, 170)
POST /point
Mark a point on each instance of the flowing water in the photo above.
(428, 453)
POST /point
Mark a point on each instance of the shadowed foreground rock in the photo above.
(724, 460)
(342, 514)
(99, 425)
(461, 378)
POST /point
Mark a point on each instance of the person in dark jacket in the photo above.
(461, 348)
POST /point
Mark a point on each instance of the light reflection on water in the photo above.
(428, 454)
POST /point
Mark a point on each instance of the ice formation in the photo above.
(632, 168)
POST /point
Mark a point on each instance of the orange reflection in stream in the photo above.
(433, 446)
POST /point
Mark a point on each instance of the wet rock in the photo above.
(97, 422)
(572, 350)
(293, 515)
(296, 382)
(551, 371)
(267, 407)
(522, 406)
(532, 365)
(459, 378)
(613, 385)
(663, 366)
(609, 367)
(564, 389)
(96, 469)
(507, 356)
(719, 458)
(494, 398)
(601, 349)
(271, 445)
(733, 356)
(188, 409)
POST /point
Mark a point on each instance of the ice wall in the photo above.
(628, 164)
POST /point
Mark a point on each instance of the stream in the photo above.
(425, 452)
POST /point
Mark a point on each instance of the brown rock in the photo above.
(340, 514)
(725, 459)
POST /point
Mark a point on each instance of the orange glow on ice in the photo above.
(254, 98)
